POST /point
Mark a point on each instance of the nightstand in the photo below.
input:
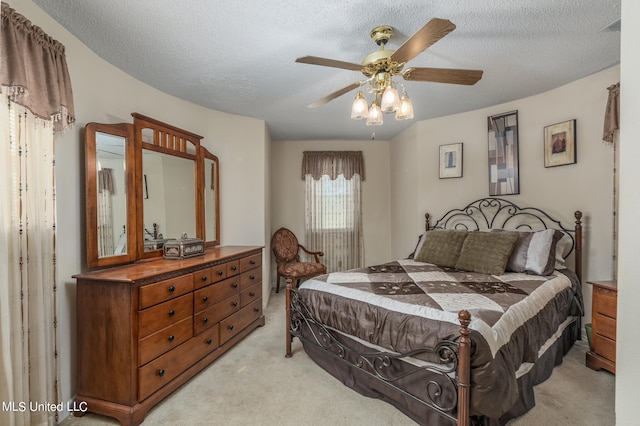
(603, 326)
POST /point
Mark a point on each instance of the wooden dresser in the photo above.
(145, 329)
(603, 326)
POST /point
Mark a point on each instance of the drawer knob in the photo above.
(234, 303)
(256, 309)
(234, 268)
(205, 320)
(252, 293)
(172, 338)
(220, 273)
(172, 289)
(172, 313)
(205, 298)
(252, 261)
(234, 285)
(252, 277)
(230, 326)
(160, 373)
(204, 278)
(209, 341)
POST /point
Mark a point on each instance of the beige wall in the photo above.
(288, 189)
(586, 185)
(103, 93)
(628, 344)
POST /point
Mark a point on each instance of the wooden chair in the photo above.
(286, 248)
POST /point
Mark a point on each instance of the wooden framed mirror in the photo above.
(211, 197)
(110, 199)
(168, 185)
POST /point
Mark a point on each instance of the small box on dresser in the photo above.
(145, 329)
(603, 326)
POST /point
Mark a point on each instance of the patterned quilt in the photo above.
(406, 305)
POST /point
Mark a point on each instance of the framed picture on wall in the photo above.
(560, 144)
(451, 161)
(502, 130)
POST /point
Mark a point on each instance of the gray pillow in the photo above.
(441, 247)
(535, 252)
(486, 252)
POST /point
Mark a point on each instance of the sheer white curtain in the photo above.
(36, 101)
(106, 240)
(28, 368)
(333, 212)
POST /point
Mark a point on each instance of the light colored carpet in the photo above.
(255, 384)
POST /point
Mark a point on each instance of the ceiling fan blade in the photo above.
(334, 95)
(314, 60)
(433, 31)
(443, 75)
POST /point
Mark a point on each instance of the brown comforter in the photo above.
(406, 305)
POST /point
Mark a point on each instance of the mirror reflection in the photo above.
(111, 195)
(210, 197)
(169, 198)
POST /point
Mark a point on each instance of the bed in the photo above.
(461, 330)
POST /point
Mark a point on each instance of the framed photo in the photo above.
(451, 160)
(502, 131)
(560, 144)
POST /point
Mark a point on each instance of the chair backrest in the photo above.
(284, 245)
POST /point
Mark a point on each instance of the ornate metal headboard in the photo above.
(498, 213)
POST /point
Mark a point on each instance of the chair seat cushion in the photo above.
(302, 269)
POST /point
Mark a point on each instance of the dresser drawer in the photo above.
(213, 315)
(209, 275)
(249, 295)
(250, 278)
(165, 368)
(165, 314)
(209, 296)
(152, 294)
(605, 303)
(233, 268)
(250, 262)
(164, 340)
(234, 324)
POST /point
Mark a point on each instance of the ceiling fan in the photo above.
(380, 66)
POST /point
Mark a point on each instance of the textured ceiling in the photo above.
(238, 56)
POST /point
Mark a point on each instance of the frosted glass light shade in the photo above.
(390, 99)
(405, 112)
(375, 115)
(359, 109)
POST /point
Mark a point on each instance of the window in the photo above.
(333, 214)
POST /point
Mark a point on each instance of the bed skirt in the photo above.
(409, 402)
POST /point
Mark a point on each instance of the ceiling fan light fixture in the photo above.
(405, 111)
(375, 114)
(359, 109)
(390, 99)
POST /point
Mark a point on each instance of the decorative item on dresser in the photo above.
(603, 318)
(145, 329)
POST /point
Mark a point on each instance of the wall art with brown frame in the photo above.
(560, 144)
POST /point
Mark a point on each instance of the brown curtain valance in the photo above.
(105, 181)
(333, 164)
(33, 70)
(612, 113)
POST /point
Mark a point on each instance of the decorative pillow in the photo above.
(562, 249)
(486, 252)
(418, 246)
(441, 247)
(536, 252)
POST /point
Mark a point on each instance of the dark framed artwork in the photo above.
(502, 132)
(560, 144)
(451, 161)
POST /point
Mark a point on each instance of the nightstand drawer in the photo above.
(604, 326)
(605, 303)
(604, 347)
